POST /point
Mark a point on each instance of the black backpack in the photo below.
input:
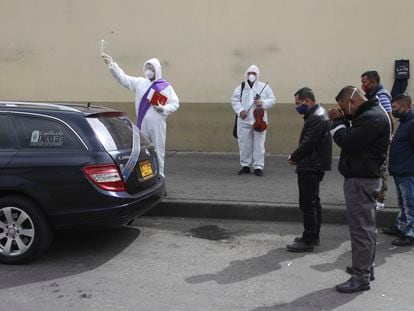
(243, 84)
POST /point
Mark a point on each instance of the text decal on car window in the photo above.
(46, 138)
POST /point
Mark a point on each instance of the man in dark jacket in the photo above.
(401, 167)
(312, 158)
(364, 143)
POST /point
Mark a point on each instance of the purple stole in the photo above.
(144, 105)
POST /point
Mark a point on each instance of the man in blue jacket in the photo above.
(401, 167)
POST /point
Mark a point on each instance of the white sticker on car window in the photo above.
(35, 137)
(46, 138)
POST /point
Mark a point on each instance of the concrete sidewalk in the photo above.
(207, 185)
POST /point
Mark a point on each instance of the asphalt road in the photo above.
(192, 264)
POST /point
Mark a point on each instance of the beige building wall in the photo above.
(49, 51)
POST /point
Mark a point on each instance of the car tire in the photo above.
(25, 233)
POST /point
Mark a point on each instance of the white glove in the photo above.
(107, 59)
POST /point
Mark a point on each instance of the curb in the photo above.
(278, 211)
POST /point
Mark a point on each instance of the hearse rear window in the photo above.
(114, 133)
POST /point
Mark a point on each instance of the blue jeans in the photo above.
(405, 192)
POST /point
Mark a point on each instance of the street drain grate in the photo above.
(209, 232)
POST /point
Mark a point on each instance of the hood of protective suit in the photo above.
(157, 66)
(253, 68)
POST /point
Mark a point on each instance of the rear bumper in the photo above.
(123, 208)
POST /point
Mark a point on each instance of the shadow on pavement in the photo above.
(241, 270)
(326, 299)
(70, 254)
(384, 250)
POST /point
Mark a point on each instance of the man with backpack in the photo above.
(250, 102)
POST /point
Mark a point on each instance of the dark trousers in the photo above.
(360, 195)
(310, 203)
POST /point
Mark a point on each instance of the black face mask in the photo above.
(397, 114)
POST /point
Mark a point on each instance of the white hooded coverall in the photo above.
(153, 125)
(251, 142)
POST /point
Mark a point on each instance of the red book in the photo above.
(157, 98)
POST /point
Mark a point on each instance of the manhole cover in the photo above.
(209, 232)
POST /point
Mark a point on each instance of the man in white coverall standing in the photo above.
(151, 118)
(244, 101)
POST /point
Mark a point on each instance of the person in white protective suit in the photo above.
(244, 101)
(151, 118)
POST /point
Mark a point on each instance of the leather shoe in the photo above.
(350, 271)
(300, 247)
(403, 241)
(244, 170)
(258, 172)
(353, 285)
(393, 230)
(316, 242)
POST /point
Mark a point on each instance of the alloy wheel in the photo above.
(17, 231)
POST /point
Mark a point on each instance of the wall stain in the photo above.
(13, 55)
(272, 49)
(238, 53)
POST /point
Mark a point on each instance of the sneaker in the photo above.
(258, 172)
(244, 170)
(379, 206)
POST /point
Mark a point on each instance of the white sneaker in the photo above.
(380, 206)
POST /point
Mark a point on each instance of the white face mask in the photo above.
(252, 78)
(149, 74)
